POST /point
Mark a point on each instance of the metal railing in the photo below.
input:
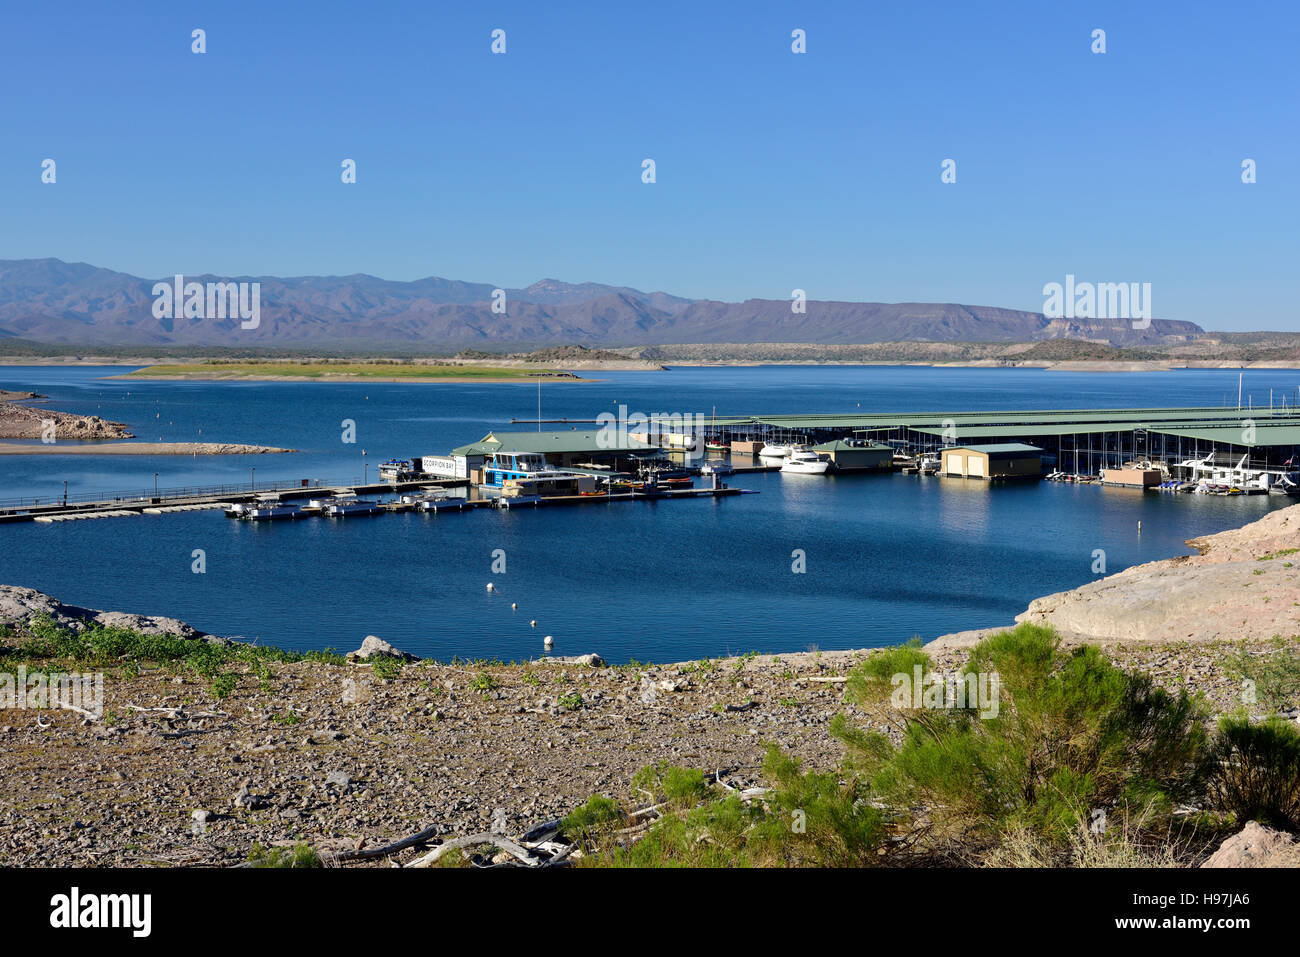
(153, 495)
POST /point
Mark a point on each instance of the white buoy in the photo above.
(1139, 526)
(548, 641)
(514, 605)
(533, 623)
(490, 588)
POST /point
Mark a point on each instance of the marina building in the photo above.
(595, 450)
(856, 456)
(1000, 461)
(1082, 441)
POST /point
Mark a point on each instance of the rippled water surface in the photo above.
(887, 556)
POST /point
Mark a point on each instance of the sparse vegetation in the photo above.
(301, 855)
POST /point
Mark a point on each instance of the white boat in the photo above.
(1216, 470)
(270, 511)
(343, 506)
(806, 462)
(775, 451)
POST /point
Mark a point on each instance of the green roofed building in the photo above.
(560, 449)
(856, 457)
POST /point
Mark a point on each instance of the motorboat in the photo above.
(442, 503)
(1288, 484)
(775, 451)
(807, 462)
(270, 512)
(236, 510)
(346, 506)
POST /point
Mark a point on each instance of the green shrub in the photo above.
(1275, 674)
(224, 684)
(1253, 771)
(717, 834)
(300, 855)
(598, 815)
(385, 667)
(815, 818)
(1072, 733)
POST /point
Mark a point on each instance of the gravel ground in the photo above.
(335, 755)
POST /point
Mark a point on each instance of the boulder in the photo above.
(1257, 846)
(375, 647)
(593, 661)
(19, 605)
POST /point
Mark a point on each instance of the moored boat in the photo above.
(806, 462)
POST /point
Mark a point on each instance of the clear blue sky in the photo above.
(775, 171)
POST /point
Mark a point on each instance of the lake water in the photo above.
(887, 556)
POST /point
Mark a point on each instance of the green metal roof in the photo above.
(1237, 434)
(1096, 419)
(839, 445)
(551, 443)
(999, 448)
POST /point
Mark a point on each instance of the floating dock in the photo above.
(112, 507)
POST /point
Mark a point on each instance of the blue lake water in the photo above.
(887, 556)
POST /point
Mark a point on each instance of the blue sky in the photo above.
(819, 171)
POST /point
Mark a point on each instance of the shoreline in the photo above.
(356, 380)
(667, 363)
(141, 448)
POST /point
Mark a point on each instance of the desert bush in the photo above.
(1275, 674)
(1253, 771)
(1072, 733)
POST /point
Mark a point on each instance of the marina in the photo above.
(880, 528)
(1196, 449)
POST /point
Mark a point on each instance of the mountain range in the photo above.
(56, 302)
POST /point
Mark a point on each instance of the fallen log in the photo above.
(473, 840)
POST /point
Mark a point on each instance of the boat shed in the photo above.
(1002, 460)
(857, 456)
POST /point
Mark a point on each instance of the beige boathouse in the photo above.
(1003, 460)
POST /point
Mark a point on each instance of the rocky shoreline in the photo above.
(348, 754)
(23, 422)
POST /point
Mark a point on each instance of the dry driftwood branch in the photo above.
(496, 840)
(179, 713)
(423, 837)
(81, 711)
(646, 810)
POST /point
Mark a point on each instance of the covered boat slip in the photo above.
(1082, 440)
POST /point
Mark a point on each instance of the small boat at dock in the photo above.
(346, 507)
(806, 462)
(271, 512)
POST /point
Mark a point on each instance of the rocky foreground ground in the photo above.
(350, 755)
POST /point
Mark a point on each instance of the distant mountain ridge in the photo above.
(52, 301)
